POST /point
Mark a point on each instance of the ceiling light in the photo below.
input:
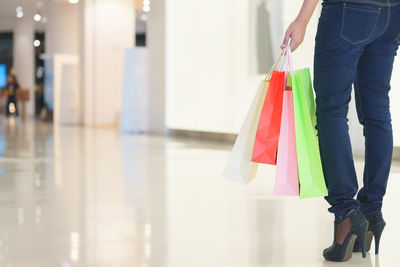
(20, 14)
(36, 43)
(37, 17)
(19, 9)
(146, 5)
(74, 1)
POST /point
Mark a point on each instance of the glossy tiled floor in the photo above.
(93, 198)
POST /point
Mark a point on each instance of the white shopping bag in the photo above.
(240, 168)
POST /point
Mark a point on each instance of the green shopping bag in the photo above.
(311, 177)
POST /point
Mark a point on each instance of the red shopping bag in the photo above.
(269, 125)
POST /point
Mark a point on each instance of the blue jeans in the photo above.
(356, 43)
(378, 3)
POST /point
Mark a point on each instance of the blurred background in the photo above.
(148, 67)
(116, 120)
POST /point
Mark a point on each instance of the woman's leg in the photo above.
(335, 69)
(373, 107)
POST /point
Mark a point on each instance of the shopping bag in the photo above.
(240, 168)
(267, 136)
(286, 175)
(311, 178)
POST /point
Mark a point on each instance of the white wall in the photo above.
(206, 63)
(107, 30)
(209, 87)
(275, 31)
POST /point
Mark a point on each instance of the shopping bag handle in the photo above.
(279, 62)
(288, 68)
(289, 60)
(284, 62)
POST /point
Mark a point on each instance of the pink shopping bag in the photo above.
(287, 179)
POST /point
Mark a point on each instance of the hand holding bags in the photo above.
(280, 129)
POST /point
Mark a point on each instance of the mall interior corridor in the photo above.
(73, 196)
(118, 118)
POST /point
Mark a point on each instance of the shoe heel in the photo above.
(361, 234)
(343, 252)
(377, 231)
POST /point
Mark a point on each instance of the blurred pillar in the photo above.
(62, 40)
(156, 36)
(108, 29)
(24, 58)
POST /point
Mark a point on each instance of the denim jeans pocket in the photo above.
(358, 22)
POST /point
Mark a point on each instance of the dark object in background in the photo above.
(11, 88)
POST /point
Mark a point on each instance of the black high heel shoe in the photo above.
(343, 252)
(375, 229)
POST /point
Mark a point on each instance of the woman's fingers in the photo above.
(296, 40)
(293, 45)
(294, 35)
(286, 38)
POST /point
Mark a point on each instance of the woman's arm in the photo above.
(297, 29)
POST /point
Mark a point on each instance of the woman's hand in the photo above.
(295, 33)
(297, 29)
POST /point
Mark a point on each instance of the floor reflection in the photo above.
(356, 260)
(267, 232)
(78, 197)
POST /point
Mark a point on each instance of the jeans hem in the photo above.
(373, 213)
(339, 217)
